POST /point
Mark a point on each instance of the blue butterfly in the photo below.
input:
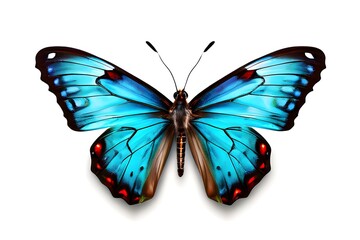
(141, 123)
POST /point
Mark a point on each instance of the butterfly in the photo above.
(218, 123)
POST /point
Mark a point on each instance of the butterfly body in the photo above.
(217, 123)
(181, 115)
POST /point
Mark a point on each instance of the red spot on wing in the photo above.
(263, 149)
(109, 180)
(224, 200)
(230, 199)
(262, 166)
(98, 149)
(113, 75)
(251, 180)
(98, 166)
(236, 194)
(247, 75)
(123, 193)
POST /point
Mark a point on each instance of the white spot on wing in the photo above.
(309, 55)
(51, 55)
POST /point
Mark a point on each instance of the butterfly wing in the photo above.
(129, 160)
(231, 160)
(93, 93)
(266, 93)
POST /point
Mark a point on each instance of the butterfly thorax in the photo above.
(180, 114)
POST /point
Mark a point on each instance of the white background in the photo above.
(47, 189)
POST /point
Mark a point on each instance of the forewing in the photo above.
(231, 161)
(129, 160)
(94, 93)
(265, 93)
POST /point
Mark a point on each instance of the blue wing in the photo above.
(231, 161)
(93, 93)
(267, 93)
(129, 160)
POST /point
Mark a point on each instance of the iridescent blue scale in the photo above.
(141, 123)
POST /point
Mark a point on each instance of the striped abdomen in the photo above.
(180, 143)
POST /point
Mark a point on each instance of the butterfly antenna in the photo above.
(154, 49)
(206, 49)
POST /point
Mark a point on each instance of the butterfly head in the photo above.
(180, 95)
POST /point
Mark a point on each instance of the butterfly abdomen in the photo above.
(180, 143)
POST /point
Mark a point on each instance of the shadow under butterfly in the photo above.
(141, 123)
